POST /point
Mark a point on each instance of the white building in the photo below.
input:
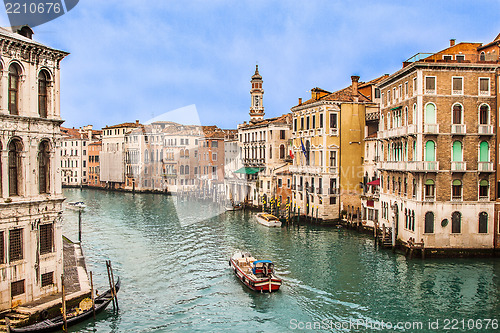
(30, 178)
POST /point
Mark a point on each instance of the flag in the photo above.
(291, 154)
(303, 148)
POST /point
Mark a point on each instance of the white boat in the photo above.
(256, 274)
(268, 220)
(77, 205)
(234, 207)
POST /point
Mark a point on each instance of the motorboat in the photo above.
(268, 220)
(256, 274)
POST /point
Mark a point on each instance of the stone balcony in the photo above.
(431, 128)
(422, 166)
(458, 166)
(485, 130)
(458, 129)
(485, 166)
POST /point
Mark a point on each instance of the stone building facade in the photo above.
(30, 173)
(328, 147)
(438, 147)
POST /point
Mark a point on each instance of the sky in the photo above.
(137, 59)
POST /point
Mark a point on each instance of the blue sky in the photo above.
(135, 59)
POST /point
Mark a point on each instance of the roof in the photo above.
(342, 95)
(283, 119)
(495, 41)
(71, 133)
(10, 34)
(373, 82)
(136, 124)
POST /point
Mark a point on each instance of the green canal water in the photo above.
(175, 274)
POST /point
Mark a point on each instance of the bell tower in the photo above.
(257, 108)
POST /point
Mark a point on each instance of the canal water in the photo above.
(175, 274)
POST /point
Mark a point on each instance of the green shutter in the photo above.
(483, 182)
(483, 151)
(457, 151)
(430, 114)
(429, 182)
(457, 182)
(430, 154)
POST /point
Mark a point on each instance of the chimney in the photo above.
(452, 42)
(355, 80)
(300, 101)
(137, 122)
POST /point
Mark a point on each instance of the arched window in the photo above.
(14, 73)
(429, 223)
(181, 169)
(414, 115)
(414, 150)
(456, 193)
(405, 123)
(43, 84)
(484, 114)
(430, 114)
(186, 169)
(282, 151)
(482, 56)
(43, 168)
(181, 154)
(457, 151)
(456, 221)
(483, 189)
(429, 189)
(483, 223)
(457, 114)
(430, 151)
(484, 152)
(15, 148)
(186, 153)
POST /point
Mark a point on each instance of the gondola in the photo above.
(55, 324)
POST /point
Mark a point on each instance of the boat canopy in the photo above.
(259, 261)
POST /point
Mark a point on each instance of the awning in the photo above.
(248, 171)
(259, 261)
(397, 107)
(374, 182)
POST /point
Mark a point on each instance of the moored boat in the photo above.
(73, 317)
(256, 274)
(77, 205)
(268, 220)
(234, 207)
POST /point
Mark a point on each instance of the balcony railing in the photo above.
(485, 166)
(458, 129)
(393, 165)
(333, 131)
(333, 191)
(458, 166)
(412, 129)
(319, 190)
(300, 188)
(422, 166)
(431, 128)
(485, 129)
(429, 198)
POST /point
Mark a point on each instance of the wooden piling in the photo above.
(63, 297)
(110, 285)
(92, 293)
(113, 284)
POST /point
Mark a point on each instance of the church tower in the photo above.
(257, 108)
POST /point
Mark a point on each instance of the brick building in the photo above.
(438, 147)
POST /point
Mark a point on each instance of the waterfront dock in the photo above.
(76, 284)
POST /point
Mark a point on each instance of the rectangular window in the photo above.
(215, 144)
(430, 84)
(15, 244)
(484, 86)
(280, 182)
(307, 123)
(47, 279)
(282, 133)
(333, 158)
(460, 57)
(447, 57)
(46, 238)
(17, 288)
(301, 123)
(388, 97)
(333, 120)
(414, 84)
(320, 120)
(457, 86)
(214, 156)
(377, 93)
(294, 125)
(314, 122)
(406, 88)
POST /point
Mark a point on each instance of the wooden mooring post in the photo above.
(92, 293)
(63, 297)
(112, 284)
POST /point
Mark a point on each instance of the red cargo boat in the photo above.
(255, 274)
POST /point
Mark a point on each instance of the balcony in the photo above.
(485, 166)
(458, 129)
(300, 188)
(332, 170)
(393, 165)
(422, 166)
(334, 131)
(412, 129)
(431, 128)
(334, 191)
(458, 166)
(485, 129)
